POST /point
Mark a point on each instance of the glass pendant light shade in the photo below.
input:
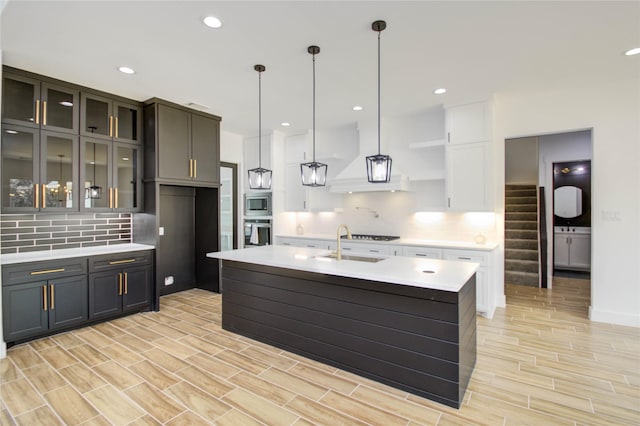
(314, 173)
(379, 166)
(259, 178)
(93, 191)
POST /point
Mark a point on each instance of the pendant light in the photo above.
(379, 166)
(93, 191)
(314, 173)
(259, 178)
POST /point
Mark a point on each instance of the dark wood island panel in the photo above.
(420, 340)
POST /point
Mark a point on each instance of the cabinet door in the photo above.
(59, 172)
(137, 288)
(127, 169)
(561, 250)
(128, 122)
(580, 251)
(20, 100)
(95, 174)
(468, 123)
(174, 135)
(482, 293)
(105, 294)
(20, 169)
(68, 303)
(466, 177)
(96, 118)
(295, 195)
(59, 108)
(24, 310)
(205, 150)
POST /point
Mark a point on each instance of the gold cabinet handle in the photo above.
(190, 167)
(119, 284)
(44, 113)
(116, 196)
(44, 297)
(37, 194)
(126, 284)
(120, 262)
(111, 126)
(195, 168)
(116, 127)
(37, 111)
(110, 198)
(53, 296)
(44, 196)
(48, 271)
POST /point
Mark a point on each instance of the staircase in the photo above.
(521, 235)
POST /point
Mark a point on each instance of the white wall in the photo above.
(562, 147)
(521, 161)
(613, 112)
(231, 152)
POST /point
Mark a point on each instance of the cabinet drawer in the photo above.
(466, 256)
(426, 252)
(370, 249)
(41, 271)
(119, 260)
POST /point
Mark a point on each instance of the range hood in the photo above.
(353, 178)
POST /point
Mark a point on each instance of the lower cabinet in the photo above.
(36, 308)
(117, 289)
(484, 292)
(40, 298)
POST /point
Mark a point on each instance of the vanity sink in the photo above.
(351, 257)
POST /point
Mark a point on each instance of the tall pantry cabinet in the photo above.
(181, 184)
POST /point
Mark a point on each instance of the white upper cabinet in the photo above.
(468, 157)
(468, 123)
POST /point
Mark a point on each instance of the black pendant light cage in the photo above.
(94, 191)
(379, 165)
(260, 178)
(314, 173)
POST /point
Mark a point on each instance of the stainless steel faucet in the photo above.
(339, 250)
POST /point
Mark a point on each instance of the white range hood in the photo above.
(353, 178)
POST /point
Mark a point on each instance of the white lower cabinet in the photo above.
(303, 242)
(367, 249)
(483, 288)
(572, 250)
(426, 252)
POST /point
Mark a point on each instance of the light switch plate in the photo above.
(161, 231)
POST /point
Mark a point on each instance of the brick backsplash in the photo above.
(21, 233)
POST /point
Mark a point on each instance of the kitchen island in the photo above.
(406, 322)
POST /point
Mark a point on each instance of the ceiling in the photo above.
(474, 49)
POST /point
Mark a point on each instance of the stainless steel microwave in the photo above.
(257, 204)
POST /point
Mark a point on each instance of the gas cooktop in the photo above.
(372, 237)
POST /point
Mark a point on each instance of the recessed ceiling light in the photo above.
(66, 103)
(440, 91)
(11, 132)
(126, 70)
(125, 158)
(633, 51)
(357, 108)
(212, 22)
(285, 124)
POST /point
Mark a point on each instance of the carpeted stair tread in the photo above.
(521, 265)
(521, 234)
(520, 193)
(521, 200)
(521, 224)
(521, 216)
(520, 254)
(521, 208)
(521, 278)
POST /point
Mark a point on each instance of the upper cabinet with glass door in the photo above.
(110, 118)
(27, 101)
(39, 169)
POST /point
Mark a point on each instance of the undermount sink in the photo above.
(351, 257)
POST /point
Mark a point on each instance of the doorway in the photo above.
(228, 206)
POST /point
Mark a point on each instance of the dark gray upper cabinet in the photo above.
(182, 146)
(27, 101)
(104, 117)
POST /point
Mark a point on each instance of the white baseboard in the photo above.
(614, 317)
(3, 350)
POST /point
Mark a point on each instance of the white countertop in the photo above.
(466, 245)
(448, 275)
(37, 256)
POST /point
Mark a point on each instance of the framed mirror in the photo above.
(567, 202)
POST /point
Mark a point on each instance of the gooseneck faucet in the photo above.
(339, 250)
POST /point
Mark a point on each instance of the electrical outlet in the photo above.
(161, 231)
(168, 280)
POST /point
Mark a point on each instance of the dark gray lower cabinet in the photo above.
(119, 291)
(36, 308)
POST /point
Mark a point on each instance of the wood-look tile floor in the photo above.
(540, 362)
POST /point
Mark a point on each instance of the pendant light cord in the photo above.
(314, 107)
(260, 119)
(379, 92)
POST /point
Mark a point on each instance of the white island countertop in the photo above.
(444, 274)
(37, 256)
